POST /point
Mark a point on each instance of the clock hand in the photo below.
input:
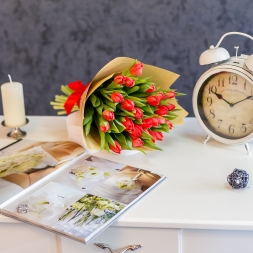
(219, 96)
(242, 100)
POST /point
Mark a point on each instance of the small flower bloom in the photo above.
(138, 113)
(153, 100)
(136, 131)
(147, 123)
(170, 94)
(151, 88)
(170, 107)
(108, 115)
(137, 142)
(117, 149)
(136, 69)
(161, 110)
(117, 97)
(129, 82)
(119, 79)
(128, 124)
(127, 104)
(105, 127)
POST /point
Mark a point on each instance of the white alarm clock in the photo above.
(223, 95)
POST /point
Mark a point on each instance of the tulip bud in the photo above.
(161, 110)
(152, 133)
(169, 124)
(136, 69)
(127, 104)
(117, 97)
(170, 107)
(129, 82)
(160, 95)
(147, 123)
(117, 149)
(151, 88)
(159, 135)
(108, 115)
(157, 121)
(128, 124)
(104, 127)
(136, 131)
(153, 100)
(170, 94)
(138, 113)
(119, 79)
(137, 142)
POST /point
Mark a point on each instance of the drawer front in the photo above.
(218, 241)
(20, 237)
(152, 240)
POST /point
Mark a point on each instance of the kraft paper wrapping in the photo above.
(163, 78)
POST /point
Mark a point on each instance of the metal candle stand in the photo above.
(16, 132)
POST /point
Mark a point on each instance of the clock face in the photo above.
(225, 104)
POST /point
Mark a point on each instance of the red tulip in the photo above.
(136, 131)
(138, 113)
(161, 95)
(153, 100)
(117, 149)
(129, 82)
(159, 136)
(147, 123)
(128, 124)
(136, 69)
(117, 97)
(157, 121)
(161, 110)
(170, 107)
(137, 142)
(151, 88)
(119, 79)
(105, 127)
(127, 105)
(170, 94)
(152, 133)
(169, 124)
(108, 115)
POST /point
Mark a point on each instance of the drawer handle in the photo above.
(106, 246)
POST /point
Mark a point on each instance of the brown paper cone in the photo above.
(161, 77)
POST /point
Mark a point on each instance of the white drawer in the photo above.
(218, 241)
(24, 238)
(151, 239)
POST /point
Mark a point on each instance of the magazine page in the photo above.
(26, 162)
(85, 199)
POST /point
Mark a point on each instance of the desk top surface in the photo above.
(195, 193)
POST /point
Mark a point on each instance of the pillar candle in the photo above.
(13, 104)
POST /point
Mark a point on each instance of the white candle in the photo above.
(13, 104)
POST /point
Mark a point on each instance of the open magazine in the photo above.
(73, 194)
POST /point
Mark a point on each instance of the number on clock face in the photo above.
(225, 103)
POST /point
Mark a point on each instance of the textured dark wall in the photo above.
(47, 43)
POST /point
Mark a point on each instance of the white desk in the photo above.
(193, 210)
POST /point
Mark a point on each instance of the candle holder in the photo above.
(16, 132)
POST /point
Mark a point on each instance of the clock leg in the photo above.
(207, 139)
(247, 148)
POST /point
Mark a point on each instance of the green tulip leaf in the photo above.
(110, 139)
(88, 113)
(87, 127)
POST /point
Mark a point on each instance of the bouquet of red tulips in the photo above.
(128, 105)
